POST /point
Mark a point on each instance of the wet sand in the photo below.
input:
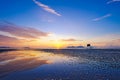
(64, 64)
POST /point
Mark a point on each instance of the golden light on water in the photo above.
(22, 60)
(30, 57)
(12, 61)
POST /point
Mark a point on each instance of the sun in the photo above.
(58, 44)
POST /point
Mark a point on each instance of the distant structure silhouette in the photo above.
(89, 46)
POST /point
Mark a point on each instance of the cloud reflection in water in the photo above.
(23, 60)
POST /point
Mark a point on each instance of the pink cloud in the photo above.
(23, 32)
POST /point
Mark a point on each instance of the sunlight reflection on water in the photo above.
(60, 65)
(21, 60)
(9, 57)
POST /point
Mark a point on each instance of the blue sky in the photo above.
(80, 19)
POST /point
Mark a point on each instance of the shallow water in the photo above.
(60, 65)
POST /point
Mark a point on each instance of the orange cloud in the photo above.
(11, 41)
(7, 39)
(18, 36)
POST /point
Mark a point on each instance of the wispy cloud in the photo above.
(108, 44)
(46, 8)
(69, 40)
(106, 41)
(7, 39)
(23, 32)
(102, 17)
(14, 35)
(113, 1)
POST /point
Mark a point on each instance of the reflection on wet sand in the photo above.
(60, 65)
(22, 60)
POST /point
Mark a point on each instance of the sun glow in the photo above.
(58, 44)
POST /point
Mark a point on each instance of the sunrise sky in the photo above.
(60, 23)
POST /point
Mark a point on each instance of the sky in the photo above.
(60, 23)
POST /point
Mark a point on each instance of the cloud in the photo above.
(102, 17)
(118, 40)
(46, 8)
(69, 40)
(106, 41)
(18, 36)
(21, 32)
(113, 1)
(108, 44)
(9, 41)
(7, 38)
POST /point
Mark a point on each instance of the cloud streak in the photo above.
(68, 40)
(106, 41)
(102, 17)
(22, 32)
(19, 36)
(7, 39)
(113, 1)
(46, 8)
